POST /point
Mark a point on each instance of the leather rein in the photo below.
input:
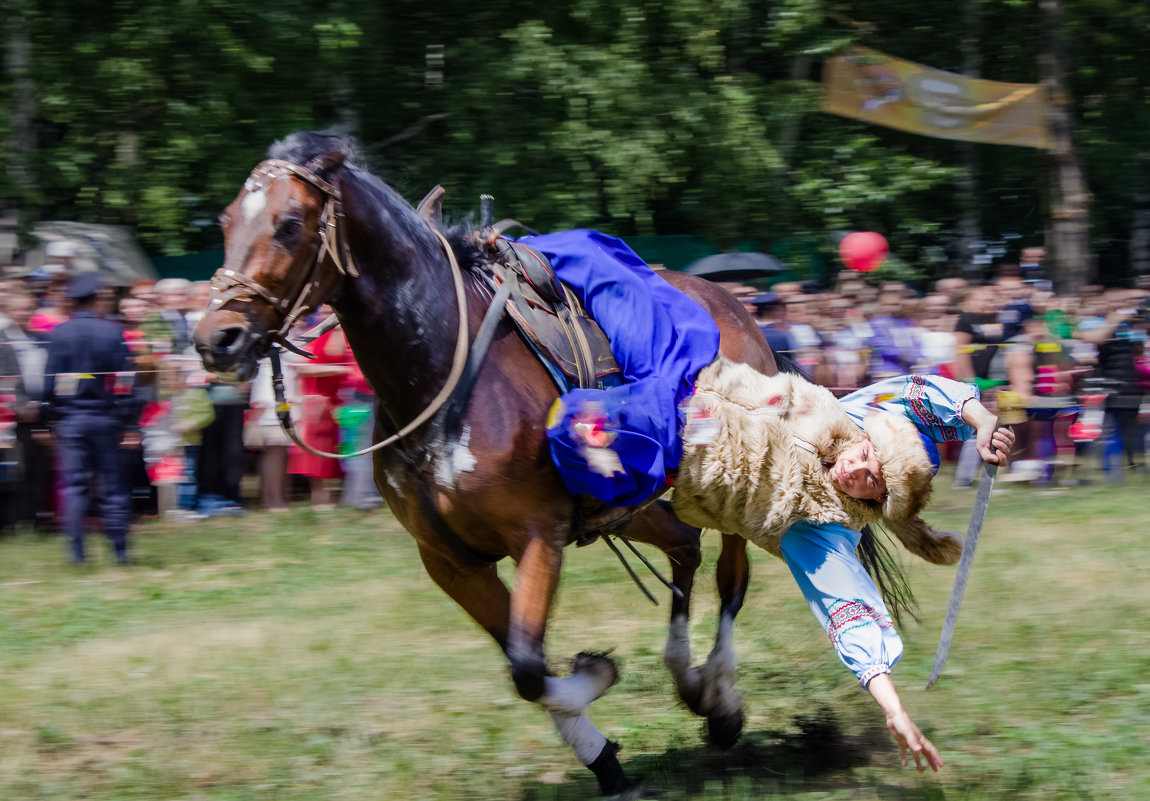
(228, 285)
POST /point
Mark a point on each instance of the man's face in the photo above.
(20, 309)
(175, 300)
(133, 310)
(981, 301)
(797, 309)
(935, 306)
(889, 304)
(857, 472)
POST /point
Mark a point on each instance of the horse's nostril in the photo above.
(229, 339)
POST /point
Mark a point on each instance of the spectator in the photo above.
(894, 346)
(1030, 263)
(320, 382)
(978, 335)
(1013, 300)
(263, 433)
(1037, 371)
(25, 359)
(1119, 342)
(771, 315)
(954, 290)
(168, 321)
(804, 339)
(192, 412)
(221, 459)
(53, 308)
(171, 427)
(847, 336)
(134, 312)
(198, 297)
(935, 320)
(356, 418)
(88, 383)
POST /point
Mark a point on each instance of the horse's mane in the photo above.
(463, 241)
(307, 149)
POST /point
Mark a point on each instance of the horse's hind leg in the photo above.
(518, 622)
(720, 672)
(709, 689)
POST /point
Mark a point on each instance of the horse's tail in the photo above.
(882, 566)
(786, 364)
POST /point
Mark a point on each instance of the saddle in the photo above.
(549, 316)
(553, 322)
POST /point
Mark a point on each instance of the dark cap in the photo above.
(765, 299)
(84, 285)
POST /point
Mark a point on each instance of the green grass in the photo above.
(308, 656)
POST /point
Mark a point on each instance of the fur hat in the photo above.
(908, 472)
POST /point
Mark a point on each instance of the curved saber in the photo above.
(977, 516)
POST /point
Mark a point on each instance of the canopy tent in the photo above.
(110, 249)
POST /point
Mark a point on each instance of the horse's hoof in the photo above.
(599, 665)
(725, 728)
(613, 782)
(634, 791)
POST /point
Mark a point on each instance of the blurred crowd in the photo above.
(192, 446)
(1070, 373)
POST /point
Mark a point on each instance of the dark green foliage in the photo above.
(640, 118)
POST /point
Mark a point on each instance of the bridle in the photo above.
(228, 285)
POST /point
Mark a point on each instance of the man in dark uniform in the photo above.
(88, 388)
(771, 314)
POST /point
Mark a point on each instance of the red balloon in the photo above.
(863, 250)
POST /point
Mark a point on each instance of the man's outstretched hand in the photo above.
(909, 738)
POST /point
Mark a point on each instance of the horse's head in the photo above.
(284, 253)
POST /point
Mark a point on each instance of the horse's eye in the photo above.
(289, 229)
(223, 220)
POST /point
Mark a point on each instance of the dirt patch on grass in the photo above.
(64, 757)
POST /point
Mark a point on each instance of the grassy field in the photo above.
(307, 656)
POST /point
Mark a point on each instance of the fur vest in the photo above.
(756, 458)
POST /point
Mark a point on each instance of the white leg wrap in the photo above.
(580, 733)
(571, 696)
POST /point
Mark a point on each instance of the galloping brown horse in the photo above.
(310, 226)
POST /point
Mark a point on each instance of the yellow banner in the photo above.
(867, 85)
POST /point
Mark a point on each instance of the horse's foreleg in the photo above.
(566, 700)
(517, 621)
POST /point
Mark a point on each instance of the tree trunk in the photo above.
(1069, 260)
(18, 66)
(969, 224)
(1140, 234)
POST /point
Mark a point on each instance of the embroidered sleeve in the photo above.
(843, 598)
(933, 403)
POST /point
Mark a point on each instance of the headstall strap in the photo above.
(231, 285)
(270, 166)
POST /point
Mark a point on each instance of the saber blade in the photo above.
(977, 517)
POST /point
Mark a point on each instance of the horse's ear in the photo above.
(327, 163)
(431, 207)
